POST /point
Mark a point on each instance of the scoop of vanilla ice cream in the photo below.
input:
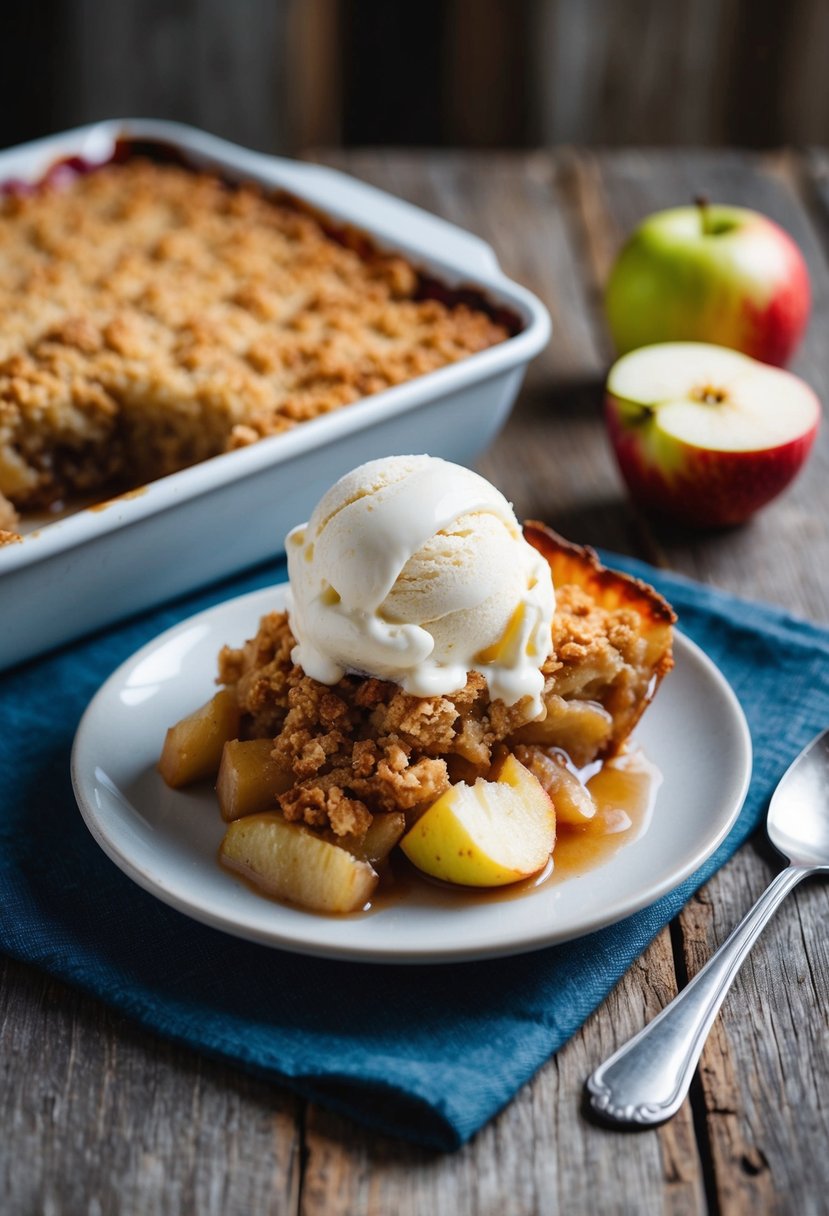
(415, 570)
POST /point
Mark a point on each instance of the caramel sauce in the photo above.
(624, 791)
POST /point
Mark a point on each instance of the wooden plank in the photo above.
(99, 1116)
(604, 73)
(585, 92)
(198, 63)
(805, 93)
(484, 79)
(313, 73)
(391, 64)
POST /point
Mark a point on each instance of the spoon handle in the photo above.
(646, 1080)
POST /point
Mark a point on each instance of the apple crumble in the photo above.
(440, 681)
(364, 747)
(153, 317)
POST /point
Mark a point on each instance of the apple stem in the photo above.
(703, 204)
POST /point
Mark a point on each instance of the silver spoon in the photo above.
(646, 1081)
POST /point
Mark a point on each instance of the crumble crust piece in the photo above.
(363, 746)
(153, 317)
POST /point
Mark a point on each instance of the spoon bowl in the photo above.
(798, 818)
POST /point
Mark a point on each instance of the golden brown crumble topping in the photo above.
(363, 745)
(153, 317)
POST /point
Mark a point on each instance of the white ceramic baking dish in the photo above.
(101, 564)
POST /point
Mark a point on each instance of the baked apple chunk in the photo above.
(488, 834)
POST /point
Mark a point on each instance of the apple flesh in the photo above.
(193, 747)
(710, 274)
(487, 834)
(249, 778)
(704, 434)
(287, 861)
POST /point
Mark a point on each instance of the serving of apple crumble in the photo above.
(153, 317)
(355, 766)
(364, 746)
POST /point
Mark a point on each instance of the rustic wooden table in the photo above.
(100, 1117)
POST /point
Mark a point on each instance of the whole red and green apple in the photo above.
(709, 273)
(706, 435)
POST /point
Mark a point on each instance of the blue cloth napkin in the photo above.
(427, 1053)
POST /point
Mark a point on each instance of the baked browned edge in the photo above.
(580, 565)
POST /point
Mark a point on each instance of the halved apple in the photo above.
(706, 434)
(290, 862)
(487, 834)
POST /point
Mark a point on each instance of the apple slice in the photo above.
(249, 778)
(287, 861)
(487, 834)
(193, 747)
(706, 434)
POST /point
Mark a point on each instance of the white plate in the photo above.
(167, 840)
